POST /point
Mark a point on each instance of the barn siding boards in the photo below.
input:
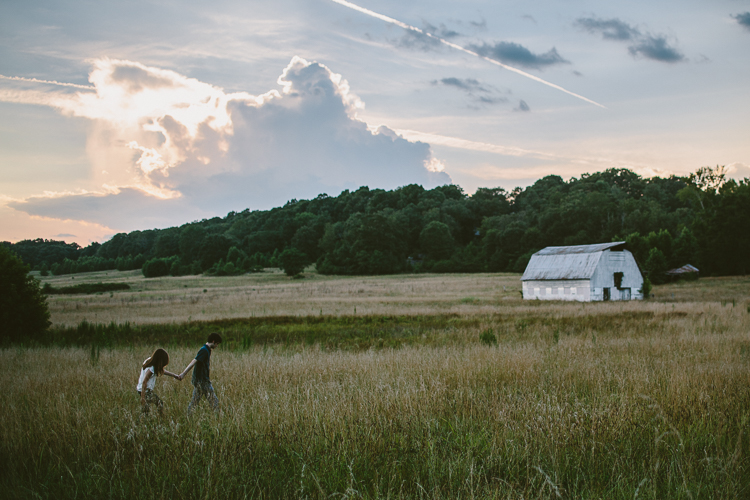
(583, 273)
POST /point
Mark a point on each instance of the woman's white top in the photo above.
(151, 381)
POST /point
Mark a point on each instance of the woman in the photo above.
(152, 368)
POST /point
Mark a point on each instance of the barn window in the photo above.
(618, 280)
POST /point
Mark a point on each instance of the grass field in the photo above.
(398, 399)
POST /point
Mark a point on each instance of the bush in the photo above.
(488, 337)
(156, 267)
(23, 305)
(292, 261)
(85, 288)
(646, 288)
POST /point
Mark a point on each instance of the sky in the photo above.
(122, 116)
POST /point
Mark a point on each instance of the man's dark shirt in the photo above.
(203, 366)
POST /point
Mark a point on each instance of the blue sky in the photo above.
(116, 116)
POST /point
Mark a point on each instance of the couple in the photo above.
(154, 366)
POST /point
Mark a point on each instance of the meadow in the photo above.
(410, 386)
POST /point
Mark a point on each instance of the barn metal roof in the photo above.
(686, 269)
(567, 263)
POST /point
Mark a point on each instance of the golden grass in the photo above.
(178, 300)
(637, 400)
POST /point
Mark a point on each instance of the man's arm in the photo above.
(187, 369)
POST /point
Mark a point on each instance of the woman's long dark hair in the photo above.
(159, 359)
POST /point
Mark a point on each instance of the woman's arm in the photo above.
(166, 372)
(188, 368)
(143, 388)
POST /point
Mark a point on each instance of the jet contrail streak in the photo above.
(49, 82)
(462, 49)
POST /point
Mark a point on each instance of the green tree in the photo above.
(156, 267)
(23, 306)
(656, 266)
(292, 261)
(436, 240)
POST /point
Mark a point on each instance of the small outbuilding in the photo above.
(607, 271)
(687, 272)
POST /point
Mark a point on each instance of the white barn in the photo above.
(607, 271)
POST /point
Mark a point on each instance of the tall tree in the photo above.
(23, 306)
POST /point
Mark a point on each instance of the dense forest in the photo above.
(702, 219)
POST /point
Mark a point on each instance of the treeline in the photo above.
(702, 219)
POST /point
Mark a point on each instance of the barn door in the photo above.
(626, 294)
(606, 294)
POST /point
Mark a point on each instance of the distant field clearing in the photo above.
(200, 298)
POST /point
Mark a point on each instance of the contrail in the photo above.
(50, 82)
(462, 49)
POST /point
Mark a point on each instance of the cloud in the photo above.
(738, 171)
(479, 25)
(513, 53)
(743, 19)
(176, 149)
(654, 47)
(421, 40)
(610, 29)
(522, 106)
(467, 84)
(478, 92)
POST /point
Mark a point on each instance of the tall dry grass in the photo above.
(201, 298)
(575, 401)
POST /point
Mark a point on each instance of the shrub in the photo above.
(23, 305)
(292, 261)
(646, 288)
(156, 267)
(85, 288)
(488, 337)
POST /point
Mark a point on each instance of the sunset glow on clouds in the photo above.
(112, 119)
(177, 147)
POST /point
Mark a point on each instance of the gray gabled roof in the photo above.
(686, 269)
(567, 263)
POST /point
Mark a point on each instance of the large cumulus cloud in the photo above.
(169, 149)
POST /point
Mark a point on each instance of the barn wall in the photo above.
(604, 276)
(579, 290)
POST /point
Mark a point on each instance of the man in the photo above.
(201, 376)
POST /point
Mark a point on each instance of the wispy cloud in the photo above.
(478, 92)
(743, 19)
(522, 106)
(514, 53)
(462, 49)
(576, 163)
(48, 82)
(428, 38)
(647, 45)
(656, 48)
(610, 29)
